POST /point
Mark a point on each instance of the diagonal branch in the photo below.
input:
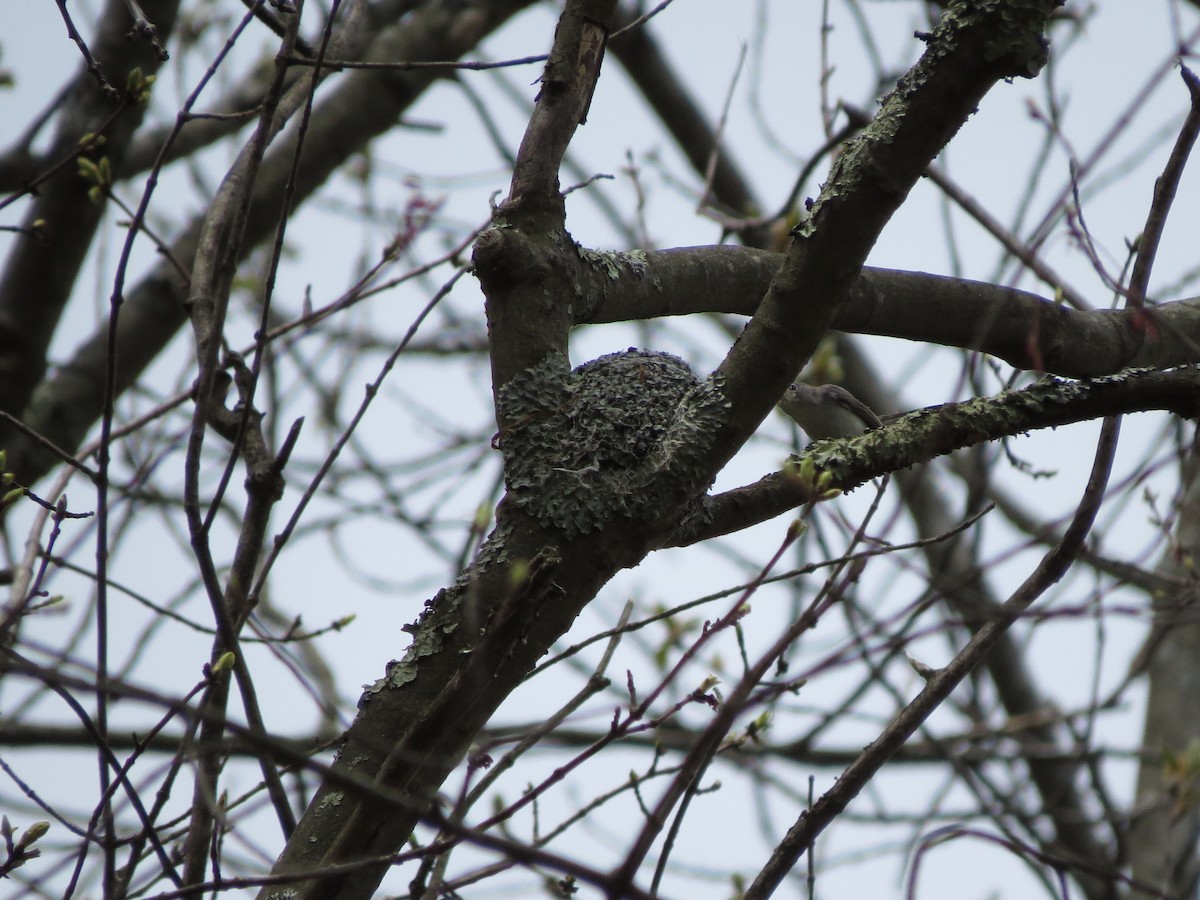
(970, 50)
(358, 109)
(1053, 566)
(41, 271)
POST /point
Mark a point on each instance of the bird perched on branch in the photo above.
(828, 411)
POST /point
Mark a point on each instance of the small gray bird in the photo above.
(828, 411)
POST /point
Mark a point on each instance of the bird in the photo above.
(828, 411)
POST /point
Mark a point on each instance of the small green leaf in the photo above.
(483, 515)
(88, 170)
(138, 85)
(32, 833)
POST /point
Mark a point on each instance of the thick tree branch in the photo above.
(1022, 328)
(926, 434)
(477, 640)
(969, 51)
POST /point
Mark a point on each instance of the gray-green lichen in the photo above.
(333, 798)
(621, 436)
(614, 263)
(1017, 40)
(612, 267)
(441, 618)
(971, 421)
(398, 673)
(429, 637)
